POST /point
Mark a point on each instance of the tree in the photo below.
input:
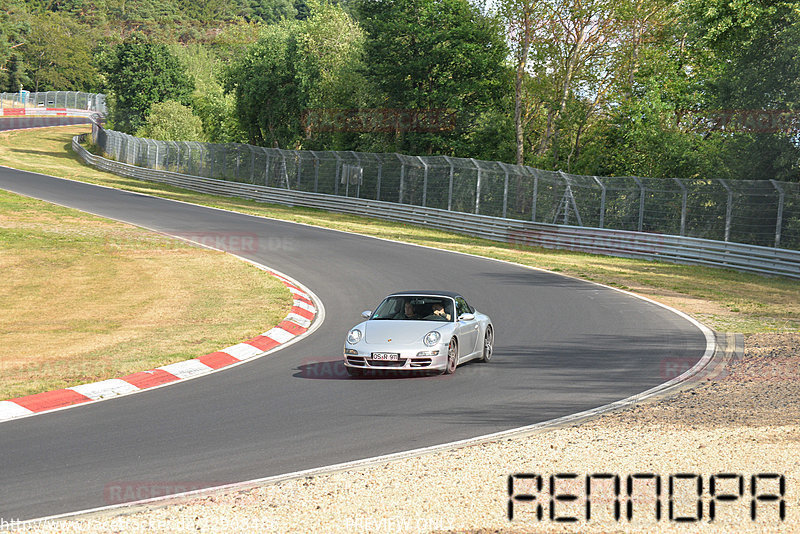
(575, 51)
(269, 11)
(755, 48)
(297, 65)
(330, 62)
(13, 26)
(171, 121)
(209, 101)
(58, 54)
(525, 20)
(434, 54)
(639, 131)
(90, 12)
(15, 76)
(268, 98)
(140, 73)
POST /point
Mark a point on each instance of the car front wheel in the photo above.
(488, 344)
(452, 357)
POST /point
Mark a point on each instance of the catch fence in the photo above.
(75, 100)
(756, 212)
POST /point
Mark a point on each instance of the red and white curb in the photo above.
(298, 322)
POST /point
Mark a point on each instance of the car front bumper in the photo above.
(409, 359)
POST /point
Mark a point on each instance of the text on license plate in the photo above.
(386, 356)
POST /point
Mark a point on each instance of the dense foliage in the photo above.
(171, 121)
(140, 73)
(662, 88)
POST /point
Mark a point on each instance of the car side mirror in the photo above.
(466, 317)
(366, 314)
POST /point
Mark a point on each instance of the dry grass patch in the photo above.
(723, 299)
(87, 299)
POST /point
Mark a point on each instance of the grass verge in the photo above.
(723, 299)
(86, 298)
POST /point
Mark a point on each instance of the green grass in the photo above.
(723, 299)
(86, 299)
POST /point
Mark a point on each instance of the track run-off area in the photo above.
(562, 346)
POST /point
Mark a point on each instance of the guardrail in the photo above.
(622, 243)
(47, 112)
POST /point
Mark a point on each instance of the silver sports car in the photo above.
(418, 330)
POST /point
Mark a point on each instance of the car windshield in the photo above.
(415, 308)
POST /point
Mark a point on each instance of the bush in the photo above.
(172, 121)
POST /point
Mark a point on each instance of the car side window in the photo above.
(462, 306)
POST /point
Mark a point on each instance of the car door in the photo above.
(467, 330)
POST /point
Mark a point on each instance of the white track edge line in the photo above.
(377, 460)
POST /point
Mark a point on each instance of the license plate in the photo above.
(386, 356)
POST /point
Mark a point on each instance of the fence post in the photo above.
(123, 149)
(346, 177)
(285, 169)
(779, 222)
(535, 194)
(684, 201)
(203, 159)
(641, 202)
(450, 185)
(402, 179)
(358, 184)
(602, 200)
(728, 209)
(266, 168)
(564, 201)
(252, 163)
(299, 160)
(424, 181)
(212, 150)
(477, 187)
(316, 171)
(338, 173)
(134, 152)
(505, 188)
(380, 175)
(238, 162)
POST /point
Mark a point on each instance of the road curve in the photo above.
(562, 346)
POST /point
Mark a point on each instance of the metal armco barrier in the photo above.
(622, 243)
(47, 112)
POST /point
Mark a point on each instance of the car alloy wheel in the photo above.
(452, 357)
(488, 341)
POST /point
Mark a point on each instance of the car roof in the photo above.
(428, 293)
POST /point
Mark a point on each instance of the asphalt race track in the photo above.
(562, 346)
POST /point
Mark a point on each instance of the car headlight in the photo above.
(431, 338)
(354, 336)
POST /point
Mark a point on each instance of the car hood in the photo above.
(401, 332)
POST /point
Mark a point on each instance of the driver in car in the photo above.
(438, 313)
